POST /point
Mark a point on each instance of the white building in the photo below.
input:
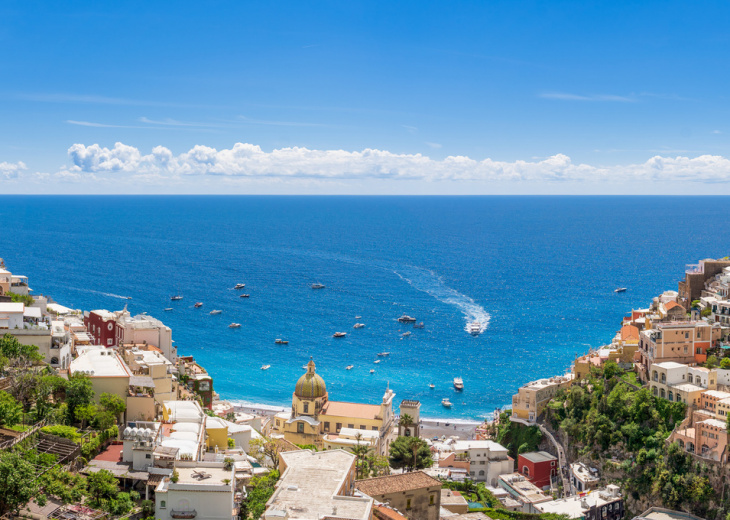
(487, 460)
(582, 477)
(184, 428)
(348, 438)
(11, 315)
(59, 355)
(204, 490)
(604, 504)
(143, 328)
(106, 369)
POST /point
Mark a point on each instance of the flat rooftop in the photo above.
(479, 445)
(100, 363)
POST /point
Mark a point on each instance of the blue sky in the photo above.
(449, 97)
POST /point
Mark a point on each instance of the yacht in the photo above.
(418, 325)
(458, 383)
(383, 354)
(372, 371)
(176, 298)
(265, 367)
(620, 289)
(168, 309)
(240, 286)
(339, 334)
(215, 311)
(407, 319)
(475, 328)
(245, 296)
(376, 361)
(281, 342)
(358, 325)
(234, 326)
(349, 367)
(432, 386)
(198, 304)
(445, 402)
(406, 334)
(317, 286)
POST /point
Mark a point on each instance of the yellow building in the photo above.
(313, 415)
(531, 399)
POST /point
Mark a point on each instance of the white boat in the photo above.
(445, 402)
(620, 289)
(474, 328)
(376, 361)
(245, 296)
(406, 334)
(176, 298)
(215, 311)
(358, 317)
(383, 354)
(458, 383)
(234, 326)
(198, 304)
(281, 341)
(240, 286)
(265, 367)
(349, 367)
(168, 309)
(339, 334)
(432, 386)
(372, 371)
(407, 319)
(358, 325)
(317, 286)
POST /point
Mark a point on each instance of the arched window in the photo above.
(671, 395)
(54, 361)
(653, 390)
(526, 471)
(655, 376)
(698, 380)
(679, 398)
(664, 378)
(662, 393)
(481, 473)
(306, 407)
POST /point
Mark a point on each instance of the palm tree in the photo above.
(406, 421)
(361, 452)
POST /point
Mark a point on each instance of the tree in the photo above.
(230, 416)
(265, 451)
(79, 392)
(410, 453)
(10, 410)
(725, 363)
(18, 482)
(102, 486)
(406, 421)
(361, 452)
(85, 413)
(711, 362)
(112, 403)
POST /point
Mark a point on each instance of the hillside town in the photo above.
(102, 417)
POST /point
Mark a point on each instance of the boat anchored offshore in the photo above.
(445, 402)
(407, 319)
(176, 298)
(349, 367)
(372, 371)
(475, 328)
(418, 325)
(432, 386)
(168, 309)
(245, 296)
(339, 334)
(265, 367)
(458, 383)
(240, 286)
(281, 342)
(317, 286)
(376, 361)
(620, 289)
(234, 326)
(358, 325)
(406, 334)
(383, 354)
(215, 311)
(198, 304)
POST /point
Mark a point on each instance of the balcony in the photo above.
(694, 269)
(191, 513)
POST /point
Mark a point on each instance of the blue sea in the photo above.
(539, 273)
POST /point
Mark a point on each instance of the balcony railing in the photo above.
(184, 514)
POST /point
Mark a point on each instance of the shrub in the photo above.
(59, 430)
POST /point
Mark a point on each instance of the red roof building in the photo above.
(538, 467)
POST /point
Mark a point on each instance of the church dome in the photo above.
(310, 385)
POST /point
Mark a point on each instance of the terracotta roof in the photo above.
(629, 332)
(396, 483)
(385, 513)
(671, 305)
(354, 410)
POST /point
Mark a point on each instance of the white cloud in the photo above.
(566, 96)
(250, 161)
(11, 170)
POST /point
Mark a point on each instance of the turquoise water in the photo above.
(537, 272)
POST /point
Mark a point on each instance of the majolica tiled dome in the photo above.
(310, 385)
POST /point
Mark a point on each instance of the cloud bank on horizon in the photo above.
(113, 166)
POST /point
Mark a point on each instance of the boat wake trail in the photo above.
(431, 283)
(110, 295)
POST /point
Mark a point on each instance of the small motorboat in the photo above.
(168, 309)
(317, 286)
(281, 342)
(240, 286)
(245, 296)
(418, 325)
(358, 325)
(432, 386)
(349, 367)
(372, 371)
(383, 354)
(265, 367)
(445, 402)
(458, 383)
(474, 328)
(339, 334)
(198, 304)
(376, 361)
(358, 317)
(176, 298)
(234, 326)
(407, 319)
(215, 311)
(406, 334)
(620, 289)
(127, 297)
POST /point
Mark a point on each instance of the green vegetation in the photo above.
(27, 299)
(516, 437)
(18, 482)
(410, 454)
(711, 362)
(60, 430)
(259, 490)
(10, 410)
(725, 363)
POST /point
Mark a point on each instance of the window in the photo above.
(339, 427)
(351, 426)
(526, 471)
(306, 407)
(163, 505)
(408, 503)
(326, 426)
(671, 396)
(147, 456)
(552, 463)
(653, 390)
(363, 427)
(375, 428)
(662, 393)
(109, 341)
(300, 427)
(431, 500)
(481, 473)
